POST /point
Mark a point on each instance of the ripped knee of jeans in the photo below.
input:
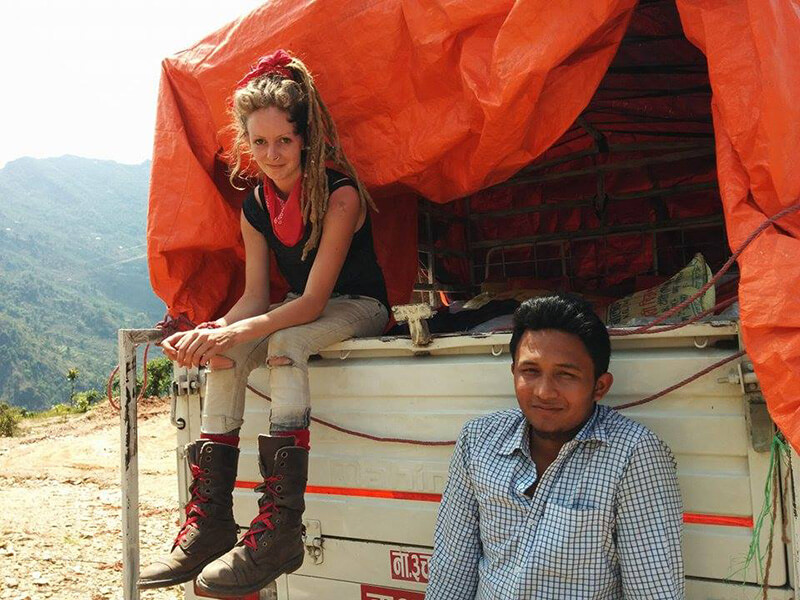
(280, 361)
(220, 362)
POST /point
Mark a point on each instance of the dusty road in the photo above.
(60, 504)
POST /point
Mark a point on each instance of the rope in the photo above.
(182, 323)
(414, 442)
(360, 434)
(676, 309)
(169, 325)
(116, 370)
(762, 559)
(680, 384)
(716, 308)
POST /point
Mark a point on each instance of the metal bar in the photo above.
(644, 93)
(677, 134)
(468, 241)
(684, 69)
(436, 287)
(670, 191)
(610, 167)
(660, 192)
(642, 147)
(642, 39)
(432, 299)
(427, 248)
(604, 231)
(633, 118)
(438, 213)
(600, 141)
(127, 340)
(497, 214)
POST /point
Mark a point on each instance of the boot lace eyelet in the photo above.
(283, 464)
(278, 488)
(284, 455)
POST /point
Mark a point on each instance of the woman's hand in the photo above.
(196, 347)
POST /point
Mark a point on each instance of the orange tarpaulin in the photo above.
(442, 99)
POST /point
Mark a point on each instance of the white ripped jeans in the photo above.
(344, 317)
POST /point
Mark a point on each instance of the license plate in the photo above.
(370, 592)
(409, 566)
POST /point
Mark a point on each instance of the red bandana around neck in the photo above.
(286, 217)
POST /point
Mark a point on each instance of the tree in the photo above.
(72, 375)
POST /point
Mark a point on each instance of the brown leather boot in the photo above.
(273, 545)
(209, 530)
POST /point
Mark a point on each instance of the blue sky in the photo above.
(82, 77)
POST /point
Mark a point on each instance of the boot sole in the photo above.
(183, 578)
(232, 592)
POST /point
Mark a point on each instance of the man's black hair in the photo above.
(567, 313)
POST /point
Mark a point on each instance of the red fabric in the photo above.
(454, 97)
(302, 437)
(230, 440)
(286, 217)
(277, 62)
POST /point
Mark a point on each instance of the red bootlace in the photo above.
(265, 512)
(193, 511)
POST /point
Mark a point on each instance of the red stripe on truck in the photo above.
(359, 492)
(698, 519)
(691, 518)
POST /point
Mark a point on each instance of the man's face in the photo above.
(554, 382)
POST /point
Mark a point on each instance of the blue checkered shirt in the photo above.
(603, 523)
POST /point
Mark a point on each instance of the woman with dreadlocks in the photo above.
(316, 221)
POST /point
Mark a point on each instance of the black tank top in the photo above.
(360, 275)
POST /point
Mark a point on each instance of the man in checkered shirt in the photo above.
(560, 499)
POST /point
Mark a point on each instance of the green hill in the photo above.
(72, 272)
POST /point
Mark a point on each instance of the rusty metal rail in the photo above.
(128, 340)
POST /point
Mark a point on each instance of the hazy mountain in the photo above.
(72, 272)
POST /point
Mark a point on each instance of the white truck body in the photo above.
(371, 506)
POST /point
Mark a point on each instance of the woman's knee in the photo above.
(286, 348)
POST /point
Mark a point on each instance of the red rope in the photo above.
(116, 370)
(360, 434)
(182, 323)
(709, 311)
(109, 386)
(376, 438)
(169, 325)
(676, 309)
(680, 384)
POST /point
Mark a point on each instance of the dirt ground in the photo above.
(60, 523)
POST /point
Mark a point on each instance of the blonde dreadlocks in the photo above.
(298, 96)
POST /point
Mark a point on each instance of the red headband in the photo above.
(277, 62)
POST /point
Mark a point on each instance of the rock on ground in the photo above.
(60, 523)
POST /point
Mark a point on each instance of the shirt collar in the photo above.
(518, 437)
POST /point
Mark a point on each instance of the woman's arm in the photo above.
(255, 299)
(341, 219)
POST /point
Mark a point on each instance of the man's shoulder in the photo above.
(625, 433)
(488, 433)
(496, 421)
